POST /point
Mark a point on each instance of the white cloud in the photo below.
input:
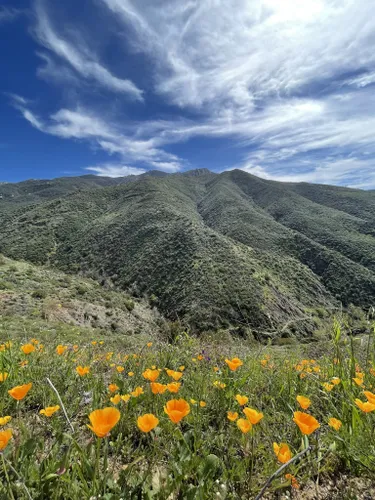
(85, 125)
(9, 14)
(108, 170)
(79, 57)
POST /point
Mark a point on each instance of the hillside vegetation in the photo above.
(211, 250)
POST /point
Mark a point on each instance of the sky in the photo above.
(283, 89)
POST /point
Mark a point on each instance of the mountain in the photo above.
(212, 250)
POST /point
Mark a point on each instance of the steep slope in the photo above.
(213, 250)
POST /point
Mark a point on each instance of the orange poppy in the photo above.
(202, 404)
(335, 380)
(20, 391)
(5, 436)
(28, 348)
(126, 397)
(5, 420)
(293, 481)
(157, 388)
(174, 387)
(3, 376)
(242, 400)
(177, 409)
(232, 416)
(335, 423)
(367, 407)
(83, 370)
(307, 423)
(131, 374)
(103, 421)
(50, 410)
(252, 415)
(151, 375)
(282, 452)
(120, 369)
(147, 422)
(244, 425)
(60, 349)
(358, 381)
(234, 363)
(304, 402)
(175, 375)
(116, 399)
(113, 388)
(328, 387)
(370, 397)
(137, 392)
(149, 344)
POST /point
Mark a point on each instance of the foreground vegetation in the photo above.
(235, 421)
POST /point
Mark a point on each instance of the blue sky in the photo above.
(284, 89)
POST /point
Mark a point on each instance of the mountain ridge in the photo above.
(212, 250)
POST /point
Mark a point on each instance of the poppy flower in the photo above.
(367, 407)
(60, 349)
(233, 364)
(177, 409)
(120, 369)
(335, 423)
(293, 481)
(175, 375)
(244, 425)
(181, 368)
(370, 397)
(282, 452)
(126, 397)
(335, 380)
(328, 387)
(252, 415)
(20, 391)
(113, 388)
(3, 376)
(151, 375)
(242, 400)
(28, 348)
(157, 388)
(149, 344)
(232, 416)
(5, 436)
(219, 385)
(116, 399)
(358, 381)
(50, 410)
(103, 421)
(202, 404)
(83, 370)
(131, 374)
(174, 387)
(307, 423)
(304, 402)
(147, 422)
(5, 420)
(200, 357)
(137, 392)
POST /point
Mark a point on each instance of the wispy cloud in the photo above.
(78, 56)
(9, 14)
(109, 170)
(84, 125)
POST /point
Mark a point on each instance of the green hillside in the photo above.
(212, 250)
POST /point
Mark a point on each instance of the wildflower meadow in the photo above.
(94, 420)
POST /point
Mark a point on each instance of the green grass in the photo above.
(204, 455)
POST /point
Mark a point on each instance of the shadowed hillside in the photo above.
(213, 250)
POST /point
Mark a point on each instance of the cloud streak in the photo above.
(79, 57)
